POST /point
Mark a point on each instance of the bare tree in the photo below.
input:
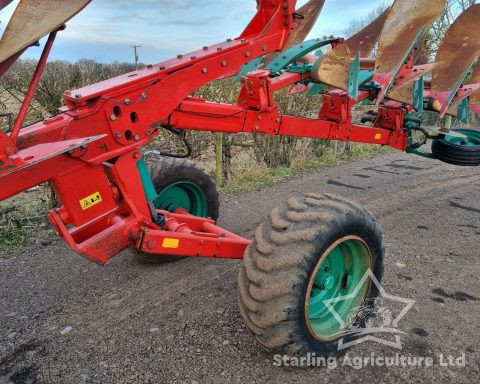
(440, 27)
(357, 24)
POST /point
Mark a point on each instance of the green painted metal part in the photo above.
(354, 79)
(183, 194)
(315, 89)
(418, 97)
(364, 78)
(300, 68)
(249, 67)
(339, 275)
(297, 52)
(462, 111)
(472, 138)
(148, 187)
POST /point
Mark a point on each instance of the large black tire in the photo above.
(165, 171)
(455, 153)
(278, 266)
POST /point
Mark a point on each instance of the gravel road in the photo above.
(65, 320)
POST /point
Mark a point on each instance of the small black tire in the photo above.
(278, 268)
(165, 171)
(455, 153)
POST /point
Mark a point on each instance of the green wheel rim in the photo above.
(473, 138)
(337, 274)
(183, 194)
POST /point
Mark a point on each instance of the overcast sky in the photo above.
(105, 30)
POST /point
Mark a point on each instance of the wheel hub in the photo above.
(337, 275)
(183, 194)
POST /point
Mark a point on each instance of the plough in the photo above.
(316, 248)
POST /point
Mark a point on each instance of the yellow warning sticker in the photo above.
(378, 136)
(170, 243)
(90, 201)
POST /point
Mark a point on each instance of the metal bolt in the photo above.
(84, 146)
(276, 130)
(127, 101)
(151, 244)
(224, 63)
(193, 58)
(247, 54)
(136, 137)
(162, 68)
(219, 48)
(259, 117)
(327, 281)
(78, 96)
(229, 40)
(205, 48)
(148, 132)
(118, 135)
(204, 70)
(279, 120)
(179, 56)
(113, 117)
(264, 48)
(136, 155)
(256, 128)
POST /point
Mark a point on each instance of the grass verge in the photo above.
(258, 177)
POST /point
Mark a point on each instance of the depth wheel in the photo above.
(180, 183)
(457, 150)
(318, 247)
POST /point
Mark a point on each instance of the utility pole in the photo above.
(135, 51)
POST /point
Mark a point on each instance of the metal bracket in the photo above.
(386, 80)
(354, 77)
(297, 52)
(249, 67)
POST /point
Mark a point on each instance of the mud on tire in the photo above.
(278, 267)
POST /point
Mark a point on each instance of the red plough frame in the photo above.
(89, 152)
